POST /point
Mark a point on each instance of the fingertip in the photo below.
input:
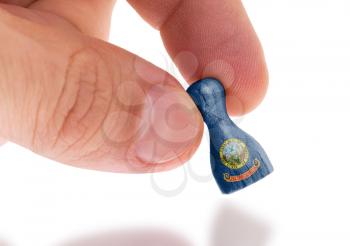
(246, 92)
(210, 39)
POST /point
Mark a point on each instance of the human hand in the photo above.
(67, 94)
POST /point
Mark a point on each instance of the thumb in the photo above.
(84, 102)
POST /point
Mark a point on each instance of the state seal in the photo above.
(234, 153)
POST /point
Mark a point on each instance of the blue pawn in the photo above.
(237, 159)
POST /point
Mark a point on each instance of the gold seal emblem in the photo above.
(234, 153)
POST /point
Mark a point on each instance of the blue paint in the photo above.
(242, 160)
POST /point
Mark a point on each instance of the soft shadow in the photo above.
(134, 237)
(3, 243)
(235, 227)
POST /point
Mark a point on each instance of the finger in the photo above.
(87, 103)
(92, 17)
(212, 39)
(78, 12)
(23, 3)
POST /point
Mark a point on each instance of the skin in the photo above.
(69, 95)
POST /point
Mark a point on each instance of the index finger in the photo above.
(212, 39)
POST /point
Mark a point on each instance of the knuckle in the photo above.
(83, 103)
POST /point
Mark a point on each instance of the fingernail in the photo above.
(174, 129)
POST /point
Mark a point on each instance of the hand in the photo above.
(67, 94)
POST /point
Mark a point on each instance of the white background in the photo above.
(303, 124)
